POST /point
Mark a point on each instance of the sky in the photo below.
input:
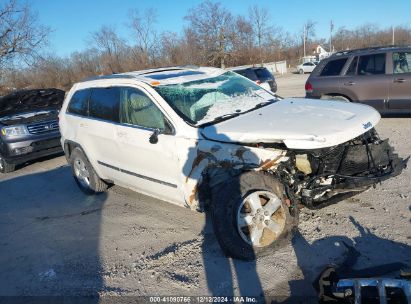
(72, 22)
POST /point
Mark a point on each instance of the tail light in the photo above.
(308, 87)
(258, 82)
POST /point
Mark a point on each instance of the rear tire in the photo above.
(5, 166)
(250, 216)
(84, 174)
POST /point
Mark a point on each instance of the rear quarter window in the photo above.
(333, 67)
(79, 103)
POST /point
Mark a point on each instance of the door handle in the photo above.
(83, 125)
(399, 80)
(350, 83)
(121, 134)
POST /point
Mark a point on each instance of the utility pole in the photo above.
(393, 35)
(305, 36)
(331, 35)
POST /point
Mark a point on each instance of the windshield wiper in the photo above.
(221, 118)
(262, 104)
(225, 116)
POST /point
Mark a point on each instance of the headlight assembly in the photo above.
(14, 131)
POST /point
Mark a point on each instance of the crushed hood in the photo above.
(25, 101)
(298, 123)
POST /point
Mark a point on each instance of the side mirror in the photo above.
(154, 137)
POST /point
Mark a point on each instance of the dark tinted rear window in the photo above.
(334, 67)
(79, 103)
(104, 103)
(249, 73)
(371, 64)
(263, 74)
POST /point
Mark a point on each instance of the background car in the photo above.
(379, 77)
(306, 67)
(260, 75)
(29, 126)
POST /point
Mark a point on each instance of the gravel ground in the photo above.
(56, 241)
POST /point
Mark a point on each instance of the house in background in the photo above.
(320, 53)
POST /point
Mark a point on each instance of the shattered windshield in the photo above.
(206, 100)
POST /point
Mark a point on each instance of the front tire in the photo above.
(301, 71)
(5, 166)
(84, 174)
(250, 215)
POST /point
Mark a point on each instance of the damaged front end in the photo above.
(323, 176)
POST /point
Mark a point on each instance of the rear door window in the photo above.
(105, 103)
(372, 64)
(334, 67)
(79, 103)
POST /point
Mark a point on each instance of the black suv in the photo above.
(29, 126)
(379, 77)
(259, 75)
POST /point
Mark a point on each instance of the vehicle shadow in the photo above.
(38, 160)
(396, 115)
(225, 276)
(49, 238)
(366, 255)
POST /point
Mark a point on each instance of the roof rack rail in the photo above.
(156, 70)
(373, 48)
(107, 77)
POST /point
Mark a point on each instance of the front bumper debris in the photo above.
(326, 176)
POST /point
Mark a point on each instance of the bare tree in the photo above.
(111, 46)
(243, 42)
(143, 27)
(85, 64)
(259, 19)
(212, 25)
(21, 36)
(308, 32)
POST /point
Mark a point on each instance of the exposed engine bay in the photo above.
(322, 176)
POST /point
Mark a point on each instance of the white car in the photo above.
(209, 139)
(306, 67)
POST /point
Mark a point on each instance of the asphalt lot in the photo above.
(56, 241)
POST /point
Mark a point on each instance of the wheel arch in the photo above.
(323, 96)
(212, 163)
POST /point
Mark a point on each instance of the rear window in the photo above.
(263, 74)
(105, 103)
(334, 67)
(371, 64)
(79, 103)
(249, 73)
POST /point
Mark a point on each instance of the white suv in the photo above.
(306, 67)
(212, 140)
